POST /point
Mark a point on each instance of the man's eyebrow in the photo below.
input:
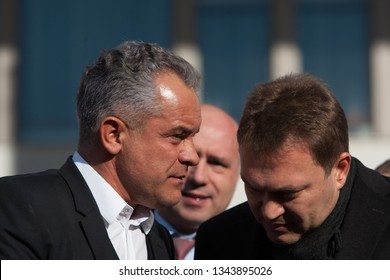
(182, 130)
(290, 189)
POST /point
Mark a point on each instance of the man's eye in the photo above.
(250, 188)
(288, 195)
(176, 137)
(214, 162)
(217, 162)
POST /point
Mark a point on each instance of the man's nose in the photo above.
(188, 154)
(271, 209)
(198, 174)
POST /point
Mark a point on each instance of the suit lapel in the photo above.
(159, 244)
(97, 237)
(91, 222)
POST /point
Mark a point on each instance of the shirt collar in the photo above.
(174, 232)
(111, 205)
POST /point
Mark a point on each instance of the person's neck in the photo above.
(176, 222)
(103, 163)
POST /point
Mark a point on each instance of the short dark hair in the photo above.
(297, 107)
(122, 83)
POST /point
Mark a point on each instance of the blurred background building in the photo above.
(46, 44)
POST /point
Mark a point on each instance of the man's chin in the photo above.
(193, 217)
(169, 201)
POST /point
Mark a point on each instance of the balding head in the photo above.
(219, 121)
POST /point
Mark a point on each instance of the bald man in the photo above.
(210, 185)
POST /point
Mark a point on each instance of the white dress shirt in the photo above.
(126, 226)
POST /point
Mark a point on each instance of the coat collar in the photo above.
(367, 216)
(159, 243)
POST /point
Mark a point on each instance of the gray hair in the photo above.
(122, 83)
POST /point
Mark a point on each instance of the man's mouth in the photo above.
(194, 199)
(194, 196)
(280, 227)
(180, 178)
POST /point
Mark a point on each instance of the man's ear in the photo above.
(111, 130)
(342, 168)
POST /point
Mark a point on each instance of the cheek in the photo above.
(323, 195)
(254, 204)
(160, 157)
(167, 151)
(228, 191)
(308, 211)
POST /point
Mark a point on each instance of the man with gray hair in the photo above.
(138, 112)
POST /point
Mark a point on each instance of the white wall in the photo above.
(370, 151)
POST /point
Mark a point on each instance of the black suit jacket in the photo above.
(53, 215)
(235, 234)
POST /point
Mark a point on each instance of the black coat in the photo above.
(53, 215)
(234, 234)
